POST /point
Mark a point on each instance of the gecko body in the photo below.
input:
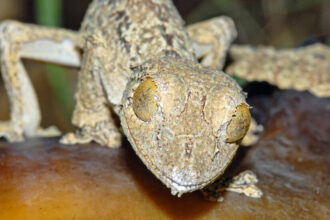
(183, 119)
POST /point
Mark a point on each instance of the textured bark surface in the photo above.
(41, 179)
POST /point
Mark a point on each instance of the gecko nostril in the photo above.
(239, 124)
(188, 146)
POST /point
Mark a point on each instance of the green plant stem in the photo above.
(48, 13)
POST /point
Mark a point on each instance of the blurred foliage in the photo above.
(48, 12)
(241, 81)
(282, 23)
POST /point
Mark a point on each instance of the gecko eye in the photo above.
(239, 124)
(145, 99)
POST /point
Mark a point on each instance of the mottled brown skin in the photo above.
(179, 116)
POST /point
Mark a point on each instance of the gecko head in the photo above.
(184, 121)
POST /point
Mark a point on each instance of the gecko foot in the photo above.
(242, 183)
(104, 136)
(51, 131)
(17, 135)
(72, 138)
(10, 134)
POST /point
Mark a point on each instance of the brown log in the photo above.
(41, 179)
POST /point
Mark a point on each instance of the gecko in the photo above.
(184, 120)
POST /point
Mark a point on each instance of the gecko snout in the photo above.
(239, 124)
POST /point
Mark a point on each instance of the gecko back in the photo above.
(134, 31)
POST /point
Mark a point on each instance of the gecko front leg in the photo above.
(28, 41)
(92, 114)
(243, 183)
(212, 39)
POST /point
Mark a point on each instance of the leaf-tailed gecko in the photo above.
(184, 120)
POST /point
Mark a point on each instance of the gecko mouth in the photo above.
(177, 188)
(177, 179)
